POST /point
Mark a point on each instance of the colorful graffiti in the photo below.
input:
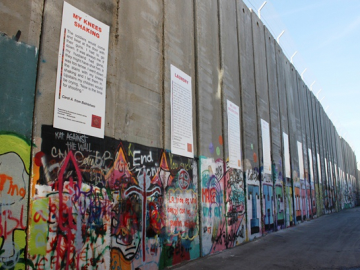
(109, 204)
(70, 206)
(289, 202)
(254, 219)
(14, 182)
(222, 206)
(267, 202)
(277, 177)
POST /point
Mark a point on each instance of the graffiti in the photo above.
(70, 216)
(279, 200)
(14, 182)
(254, 219)
(101, 204)
(268, 211)
(267, 201)
(222, 205)
(115, 204)
(289, 202)
(235, 207)
(212, 204)
(69, 221)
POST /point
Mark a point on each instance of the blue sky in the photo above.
(326, 36)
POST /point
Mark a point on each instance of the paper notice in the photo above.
(181, 114)
(234, 135)
(287, 155)
(319, 167)
(81, 73)
(265, 135)
(311, 165)
(301, 160)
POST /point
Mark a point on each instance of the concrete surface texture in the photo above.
(127, 201)
(328, 242)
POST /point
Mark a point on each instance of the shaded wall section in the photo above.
(275, 131)
(249, 126)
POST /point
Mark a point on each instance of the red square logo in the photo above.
(189, 147)
(96, 121)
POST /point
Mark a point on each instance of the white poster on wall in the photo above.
(326, 170)
(336, 174)
(331, 174)
(311, 165)
(81, 73)
(181, 114)
(286, 155)
(234, 135)
(301, 160)
(319, 166)
(265, 135)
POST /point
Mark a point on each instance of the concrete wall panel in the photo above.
(281, 70)
(230, 90)
(313, 171)
(275, 131)
(179, 50)
(291, 86)
(306, 205)
(322, 153)
(209, 117)
(262, 107)
(249, 124)
(139, 89)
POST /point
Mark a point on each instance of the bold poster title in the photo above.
(87, 26)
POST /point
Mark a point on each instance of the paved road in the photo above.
(328, 242)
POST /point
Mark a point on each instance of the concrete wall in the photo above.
(72, 201)
(275, 131)
(19, 47)
(249, 124)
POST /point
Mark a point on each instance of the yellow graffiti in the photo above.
(12, 143)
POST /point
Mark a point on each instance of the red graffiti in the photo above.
(208, 195)
(7, 218)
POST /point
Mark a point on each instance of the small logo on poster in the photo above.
(96, 121)
(189, 147)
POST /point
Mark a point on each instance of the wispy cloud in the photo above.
(302, 9)
(276, 9)
(349, 29)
